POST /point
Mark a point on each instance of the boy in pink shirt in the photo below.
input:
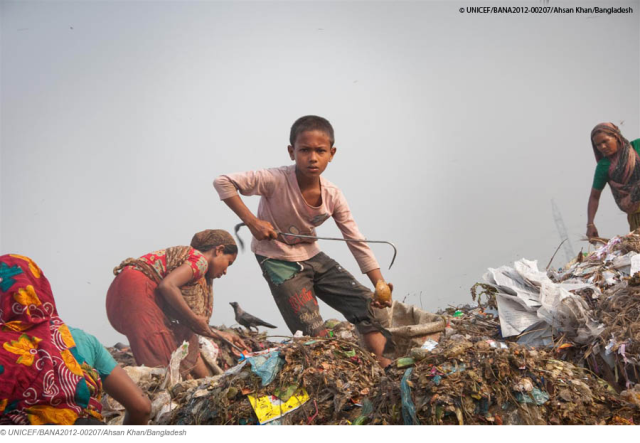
(295, 199)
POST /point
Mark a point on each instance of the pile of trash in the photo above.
(537, 346)
(305, 381)
(122, 355)
(616, 352)
(588, 310)
(318, 380)
(226, 357)
(164, 386)
(461, 379)
(152, 382)
(473, 320)
(483, 381)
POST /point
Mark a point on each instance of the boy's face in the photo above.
(312, 152)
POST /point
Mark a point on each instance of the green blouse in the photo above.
(601, 176)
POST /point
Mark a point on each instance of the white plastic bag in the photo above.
(173, 370)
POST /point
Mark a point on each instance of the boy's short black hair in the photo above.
(311, 123)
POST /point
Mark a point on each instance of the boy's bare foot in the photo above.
(375, 342)
(384, 362)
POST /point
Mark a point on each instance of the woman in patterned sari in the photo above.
(43, 379)
(619, 166)
(164, 298)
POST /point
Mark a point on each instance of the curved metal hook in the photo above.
(235, 230)
(395, 250)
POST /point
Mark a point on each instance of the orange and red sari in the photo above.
(43, 380)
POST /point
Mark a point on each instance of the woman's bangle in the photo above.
(590, 224)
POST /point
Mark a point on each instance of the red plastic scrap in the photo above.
(314, 415)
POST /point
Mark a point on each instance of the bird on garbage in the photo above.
(247, 320)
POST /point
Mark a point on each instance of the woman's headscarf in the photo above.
(624, 171)
(211, 238)
(43, 380)
(611, 130)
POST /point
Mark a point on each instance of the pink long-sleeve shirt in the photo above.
(283, 205)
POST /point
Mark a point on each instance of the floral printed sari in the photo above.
(43, 379)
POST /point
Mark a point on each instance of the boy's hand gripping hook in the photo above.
(395, 251)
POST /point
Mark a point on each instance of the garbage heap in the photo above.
(461, 379)
(482, 381)
(166, 389)
(224, 358)
(615, 304)
(305, 381)
(537, 347)
(122, 355)
(473, 321)
(317, 380)
(589, 311)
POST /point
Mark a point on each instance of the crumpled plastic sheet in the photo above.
(266, 366)
(527, 295)
(408, 408)
(538, 335)
(536, 397)
(567, 312)
(606, 250)
(173, 371)
(208, 350)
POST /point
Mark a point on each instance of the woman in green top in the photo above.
(619, 165)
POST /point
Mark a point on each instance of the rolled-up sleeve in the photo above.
(246, 183)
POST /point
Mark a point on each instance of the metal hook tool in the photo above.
(395, 251)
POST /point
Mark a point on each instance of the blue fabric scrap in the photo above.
(266, 366)
(408, 408)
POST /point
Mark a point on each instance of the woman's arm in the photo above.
(137, 405)
(592, 208)
(169, 288)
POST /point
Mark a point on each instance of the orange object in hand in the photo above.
(382, 293)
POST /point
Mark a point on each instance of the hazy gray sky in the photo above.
(454, 132)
